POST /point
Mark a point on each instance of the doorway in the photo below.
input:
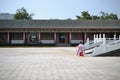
(63, 38)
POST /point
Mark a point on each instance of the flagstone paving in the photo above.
(55, 63)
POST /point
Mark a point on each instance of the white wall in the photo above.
(75, 41)
(47, 41)
(17, 41)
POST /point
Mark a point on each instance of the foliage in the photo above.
(95, 17)
(22, 14)
(85, 15)
(104, 16)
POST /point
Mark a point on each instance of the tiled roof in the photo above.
(59, 23)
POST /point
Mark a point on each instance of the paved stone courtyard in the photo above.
(55, 63)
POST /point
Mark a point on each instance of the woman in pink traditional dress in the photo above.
(80, 49)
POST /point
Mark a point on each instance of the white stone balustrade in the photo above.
(99, 40)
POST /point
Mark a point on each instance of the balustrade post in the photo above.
(94, 38)
(104, 39)
(114, 36)
(119, 37)
(100, 36)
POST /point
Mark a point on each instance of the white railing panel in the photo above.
(92, 45)
(75, 41)
(47, 41)
(17, 41)
(102, 49)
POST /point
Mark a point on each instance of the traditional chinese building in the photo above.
(55, 32)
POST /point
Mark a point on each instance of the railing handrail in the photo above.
(102, 49)
(114, 42)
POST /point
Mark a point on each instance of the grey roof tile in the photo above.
(59, 23)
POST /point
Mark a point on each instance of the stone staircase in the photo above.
(103, 46)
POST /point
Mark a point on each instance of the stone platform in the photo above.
(55, 63)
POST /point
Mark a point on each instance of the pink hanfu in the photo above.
(80, 50)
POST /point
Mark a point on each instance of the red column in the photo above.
(85, 37)
(8, 37)
(69, 37)
(24, 37)
(54, 37)
(39, 36)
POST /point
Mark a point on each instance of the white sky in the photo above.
(60, 9)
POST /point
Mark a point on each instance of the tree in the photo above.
(68, 19)
(106, 16)
(95, 17)
(113, 16)
(22, 14)
(85, 15)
